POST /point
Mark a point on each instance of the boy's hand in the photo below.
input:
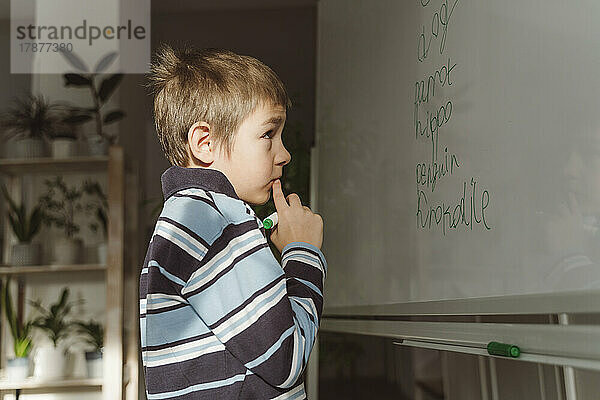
(296, 223)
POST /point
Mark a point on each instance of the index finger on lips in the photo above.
(278, 197)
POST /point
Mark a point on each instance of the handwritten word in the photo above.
(440, 20)
(434, 121)
(443, 75)
(440, 215)
(429, 173)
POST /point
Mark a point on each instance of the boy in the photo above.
(219, 317)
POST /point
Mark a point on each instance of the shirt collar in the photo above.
(176, 178)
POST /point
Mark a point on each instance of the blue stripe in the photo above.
(309, 246)
(227, 258)
(239, 284)
(248, 316)
(308, 326)
(173, 354)
(170, 276)
(309, 284)
(300, 257)
(171, 326)
(143, 332)
(158, 301)
(200, 217)
(197, 388)
(265, 356)
(172, 232)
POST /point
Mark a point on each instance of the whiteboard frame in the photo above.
(574, 302)
(568, 345)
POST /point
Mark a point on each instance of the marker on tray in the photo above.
(270, 221)
(503, 349)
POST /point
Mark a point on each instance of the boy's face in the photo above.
(257, 157)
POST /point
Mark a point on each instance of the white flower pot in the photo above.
(64, 148)
(28, 148)
(97, 146)
(102, 253)
(17, 369)
(67, 251)
(49, 363)
(76, 363)
(94, 364)
(25, 254)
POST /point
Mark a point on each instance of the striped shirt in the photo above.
(220, 318)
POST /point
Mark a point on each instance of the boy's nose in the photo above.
(284, 156)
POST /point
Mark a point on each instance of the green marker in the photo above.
(503, 349)
(270, 221)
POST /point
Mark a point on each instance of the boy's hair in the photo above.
(213, 85)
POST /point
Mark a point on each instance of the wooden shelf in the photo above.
(111, 385)
(48, 165)
(33, 383)
(32, 269)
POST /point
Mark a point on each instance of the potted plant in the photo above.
(64, 136)
(17, 369)
(94, 333)
(61, 203)
(99, 209)
(25, 227)
(50, 361)
(29, 121)
(98, 145)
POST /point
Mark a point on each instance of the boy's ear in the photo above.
(200, 143)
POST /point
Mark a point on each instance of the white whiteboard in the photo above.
(523, 125)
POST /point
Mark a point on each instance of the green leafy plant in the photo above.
(65, 128)
(60, 204)
(25, 226)
(53, 320)
(100, 95)
(20, 331)
(94, 333)
(98, 208)
(31, 117)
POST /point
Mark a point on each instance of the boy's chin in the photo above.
(258, 200)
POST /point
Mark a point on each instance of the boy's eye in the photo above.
(269, 134)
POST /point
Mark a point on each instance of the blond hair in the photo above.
(213, 85)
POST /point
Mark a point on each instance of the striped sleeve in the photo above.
(265, 314)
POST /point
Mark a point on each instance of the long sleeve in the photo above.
(265, 314)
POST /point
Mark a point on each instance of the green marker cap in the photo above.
(267, 223)
(503, 349)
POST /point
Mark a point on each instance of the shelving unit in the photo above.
(112, 383)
